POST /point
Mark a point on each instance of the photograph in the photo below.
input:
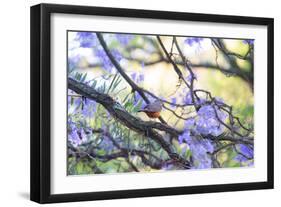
(144, 103)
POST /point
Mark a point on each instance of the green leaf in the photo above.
(232, 163)
(78, 76)
(83, 77)
(94, 84)
(79, 167)
(117, 82)
(128, 105)
(111, 84)
(101, 152)
(126, 97)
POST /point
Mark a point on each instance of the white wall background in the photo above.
(14, 103)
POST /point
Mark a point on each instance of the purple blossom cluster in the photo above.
(76, 135)
(73, 61)
(201, 150)
(187, 99)
(209, 118)
(137, 77)
(199, 147)
(89, 108)
(90, 40)
(193, 40)
(245, 153)
(189, 77)
(124, 39)
(104, 59)
(86, 108)
(87, 39)
(173, 101)
(205, 123)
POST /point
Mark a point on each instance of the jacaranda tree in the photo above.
(196, 129)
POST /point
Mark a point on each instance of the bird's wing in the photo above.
(154, 107)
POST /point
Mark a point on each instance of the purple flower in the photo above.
(68, 101)
(251, 164)
(210, 111)
(245, 155)
(193, 40)
(89, 108)
(188, 98)
(138, 98)
(206, 111)
(246, 150)
(141, 77)
(87, 39)
(240, 158)
(185, 137)
(188, 126)
(189, 123)
(201, 101)
(219, 101)
(133, 76)
(75, 136)
(77, 102)
(105, 61)
(124, 39)
(107, 144)
(200, 149)
(73, 61)
(137, 77)
(174, 100)
(207, 122)
(189, 77)
(207, 145)
(116, 54)
(250, 42)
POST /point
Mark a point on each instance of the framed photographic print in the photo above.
(132, 103)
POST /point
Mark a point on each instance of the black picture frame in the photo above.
(41, 96)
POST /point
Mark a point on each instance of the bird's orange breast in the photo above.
(152, 114)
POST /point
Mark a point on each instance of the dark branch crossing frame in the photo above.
(41, 96)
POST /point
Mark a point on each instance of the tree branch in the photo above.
(134, 86)
(133, 123)
(177, 70)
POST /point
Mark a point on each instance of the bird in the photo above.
(153, 110)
